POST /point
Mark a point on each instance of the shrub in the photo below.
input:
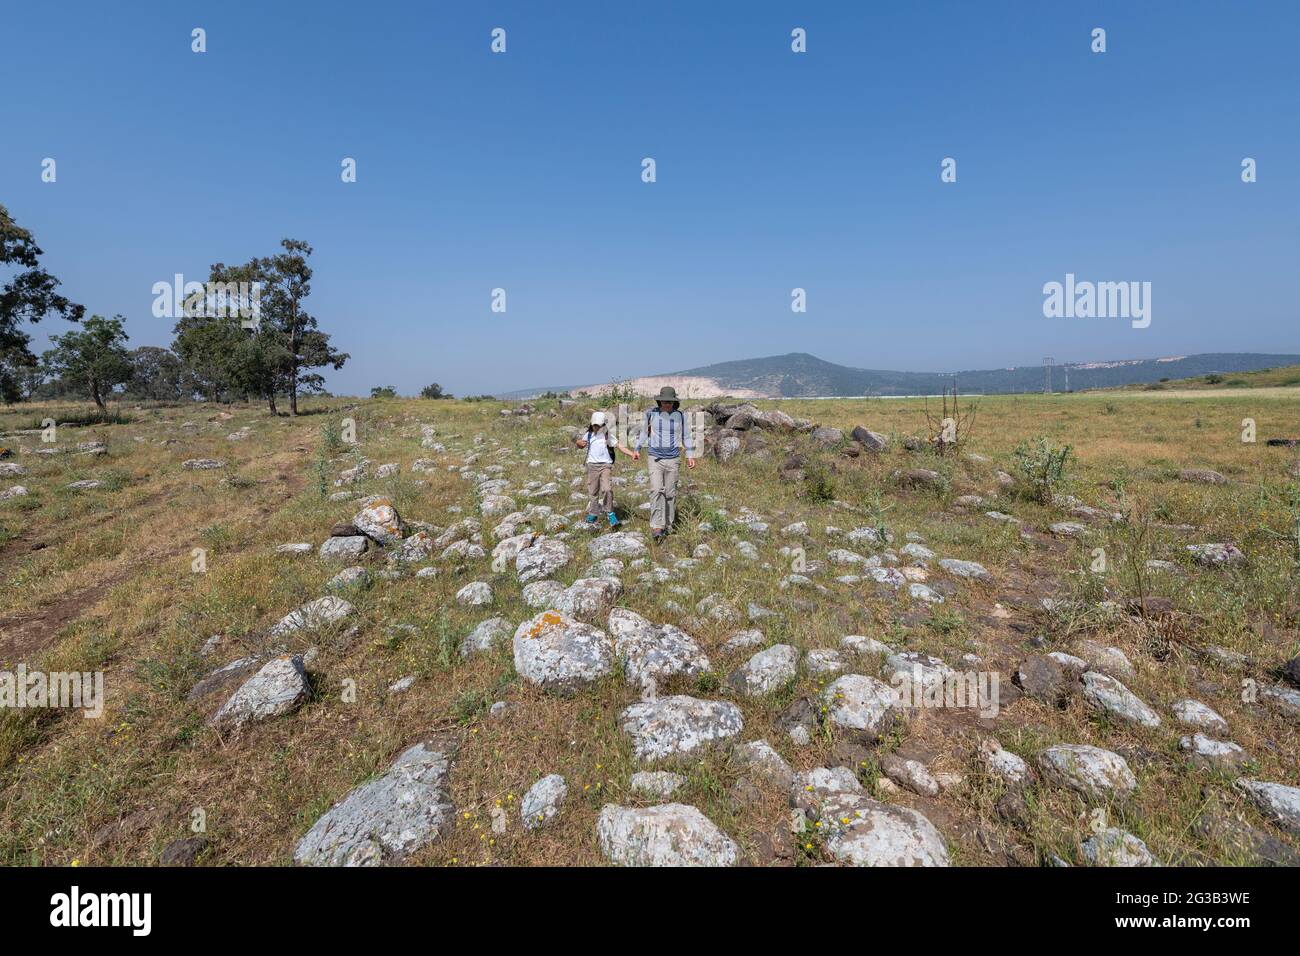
(1043, 466)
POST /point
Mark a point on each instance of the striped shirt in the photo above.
(663, 432)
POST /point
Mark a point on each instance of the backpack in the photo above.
(613, 453)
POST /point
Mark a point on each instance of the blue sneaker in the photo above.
(591, 519)
(613, 520)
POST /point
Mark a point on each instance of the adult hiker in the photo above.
(663, 435)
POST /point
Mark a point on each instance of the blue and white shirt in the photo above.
(664, 432)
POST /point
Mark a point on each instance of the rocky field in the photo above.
(381, 633)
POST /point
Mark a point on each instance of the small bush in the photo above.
(1042, 465)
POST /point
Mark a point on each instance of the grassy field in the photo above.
(102, 579)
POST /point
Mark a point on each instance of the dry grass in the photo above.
(112, 588)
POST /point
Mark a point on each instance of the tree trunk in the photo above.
(270, 398)
(94, 393)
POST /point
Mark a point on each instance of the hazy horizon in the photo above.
(775, 170)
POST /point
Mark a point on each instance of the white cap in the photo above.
(598, 418)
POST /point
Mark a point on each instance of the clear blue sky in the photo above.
(775, 170)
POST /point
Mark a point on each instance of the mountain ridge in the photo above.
(803, 375)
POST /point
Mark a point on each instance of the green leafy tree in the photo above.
(29, 296)
(383, 391)
(94, 356)
(157, 374)
(434, 391)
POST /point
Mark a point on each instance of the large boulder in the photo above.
(767, 671)
(560, 654)
(1090, 771)
(589, 598)
(672, 834)
(380, 521)
(670, 727)
(542, 559)
(279, 688)
(653, 652)
(859, 831)
(386, 819)
(313, 615)
(618, 544)
(863, 707)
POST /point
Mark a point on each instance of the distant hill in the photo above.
(800, 375)
(1286, 376)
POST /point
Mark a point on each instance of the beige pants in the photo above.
(663, 492)
(600, 489)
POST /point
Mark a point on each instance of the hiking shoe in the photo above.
(656, 535)
(613, 520)
(591, 519)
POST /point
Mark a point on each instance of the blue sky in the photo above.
(775, 170)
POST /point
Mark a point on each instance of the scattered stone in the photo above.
(1216, 555)
(657, 783)
(674, 726)
(314, 615)
(862, 706)
(474, 594)
(1192, 713)
(1003, 764)
(762, 760)
(1212, 754)
(279, 688)
(652, 652)
(485, 636)
(386, 819)
(767, 671)
(912, 774)
(1278, 802)
(1104, 692)
(203, 464)
(543, 801)
(380, 521)
(1090, 771)
(672, 834)
(344, 548)
(560, 654)
(965, 569)
(1115, 847)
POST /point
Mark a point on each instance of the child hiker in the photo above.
(600, 445)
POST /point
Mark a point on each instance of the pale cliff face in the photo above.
(687, 386)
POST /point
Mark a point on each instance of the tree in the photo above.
(158, 375)
(294, 344)
(434, 391)
(94, 355)
(383, 391)
(29, 296)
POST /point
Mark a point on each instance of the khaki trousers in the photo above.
(600, 489)
(663, 492)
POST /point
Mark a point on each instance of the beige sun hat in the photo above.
(598, 418)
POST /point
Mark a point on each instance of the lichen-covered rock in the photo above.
(1103, 692)
(1115, 847)
(486, 635)
(656, 783)
(1090, 771)
(542, 594)
(1003, 763)
(386, 819)
(589, 598)
(379, 521)
(1205, 752)
(313, 615)
(1216, 555)
(279, 688)
(542, 559)
(1275, 800)
(767, 671)
(670, 727)
(543, 801)
(672, 834)
(653, 651)
(618, 544)
(859, 831)
(965, 569)
(344, 549)
(864, 707)
(560, 654)
(474, 594)
(1192, 713)
(203, 464)
(761, 760)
